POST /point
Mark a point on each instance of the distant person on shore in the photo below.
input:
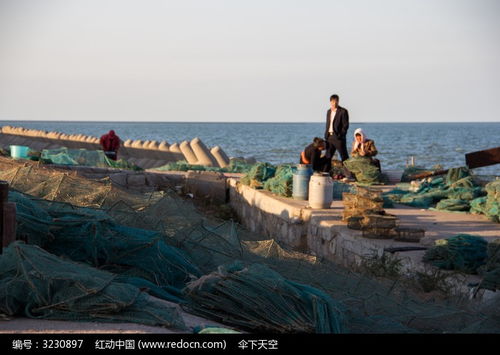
(364, 147)
(312, 155)
(110, 143)
(337, 124)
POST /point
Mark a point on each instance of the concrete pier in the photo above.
(322, 232)
(147, 155)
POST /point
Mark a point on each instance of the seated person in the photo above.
(362, 166)
(312, 155)
(364, 147)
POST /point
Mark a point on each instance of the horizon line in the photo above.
(294, 122)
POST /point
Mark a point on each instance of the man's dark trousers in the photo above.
(337, 143)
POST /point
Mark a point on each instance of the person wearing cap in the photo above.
(110, 143)
(312, 155)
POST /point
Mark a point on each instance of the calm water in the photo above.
(429, 143)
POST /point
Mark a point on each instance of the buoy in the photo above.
(220, 156)
(203, 155)
(188, 153)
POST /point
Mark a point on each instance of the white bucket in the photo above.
(320, 191)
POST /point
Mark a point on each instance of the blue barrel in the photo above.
(301, 177)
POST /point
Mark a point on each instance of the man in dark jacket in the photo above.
(312, 155)
(337, 124)
(110, 144)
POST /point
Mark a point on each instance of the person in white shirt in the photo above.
(337, 124)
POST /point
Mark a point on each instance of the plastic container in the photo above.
(320, 191)
(19, 151)
(301, 179)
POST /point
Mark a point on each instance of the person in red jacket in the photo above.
(110, 144)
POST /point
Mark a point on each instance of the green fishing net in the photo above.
(457, 191)
(282, 181)
(364, 170)
(259, 174)
(278, 305)
(38, 284)
(462, 252)
(83, 157)
(158, 243)
(235, 166)
(491, 270)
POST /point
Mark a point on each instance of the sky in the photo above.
(249, 61)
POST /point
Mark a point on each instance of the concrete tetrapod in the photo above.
(220, 156)
(163, 146)
(174, 148)
(202, 153)
(188, 153)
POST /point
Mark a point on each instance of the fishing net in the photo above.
(491, 270)
(155, 226)
(38, 284)
(282, 181)
(83, 157)
(455, 192)
(462, 252)
(92, 237)
(370, 305)
(492, 204)
(452, 204)
(364, 170)
(181, 165)
(456, 174)
(235, 166)
(259, 174)
(278, 305)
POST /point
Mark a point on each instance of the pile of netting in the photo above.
(364, 170)
(462, 252)
(284, 306)
(282, 182)
(235, 166)
(277, 179)
(83, 157)
(488, 205)
(491, 270)
(258, 175)
(145, 260)
(159, 243)
(457, 192)
(38, 284)
(469, 254)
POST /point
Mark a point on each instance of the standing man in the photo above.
(337, 124)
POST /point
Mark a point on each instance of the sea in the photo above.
(430, 144)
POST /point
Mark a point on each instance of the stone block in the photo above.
(379, 233)
(411, 235)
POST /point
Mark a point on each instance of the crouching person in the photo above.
(312, 155)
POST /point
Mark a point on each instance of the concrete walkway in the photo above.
(324, 234)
